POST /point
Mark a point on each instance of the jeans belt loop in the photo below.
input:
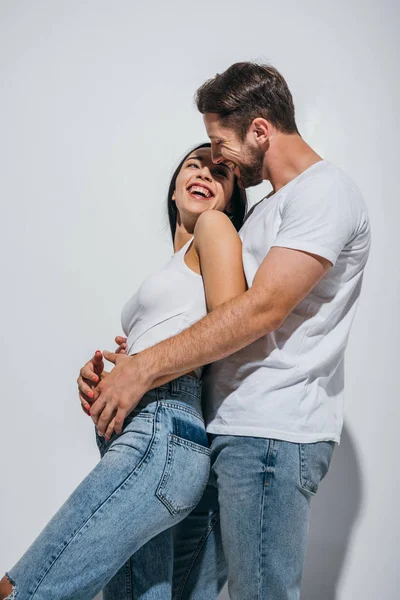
(174, 387)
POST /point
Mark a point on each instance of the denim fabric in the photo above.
(149, 478)
(251, 525)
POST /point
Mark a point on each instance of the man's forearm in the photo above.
(225, 330)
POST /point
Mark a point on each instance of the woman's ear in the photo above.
(173, 197)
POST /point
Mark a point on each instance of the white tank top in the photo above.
(166, 303)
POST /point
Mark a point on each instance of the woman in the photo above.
(153, 474)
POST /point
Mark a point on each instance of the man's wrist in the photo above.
(142, 363)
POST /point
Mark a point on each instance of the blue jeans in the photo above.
(149, 478)
(251, 526)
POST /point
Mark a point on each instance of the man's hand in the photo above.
(93, 372)
(116, 396)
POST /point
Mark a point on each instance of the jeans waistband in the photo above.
(185, 390)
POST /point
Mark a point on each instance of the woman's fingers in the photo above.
(85, 387)
(84, 405)
(98, 363)
(89, 377)
(121, 349)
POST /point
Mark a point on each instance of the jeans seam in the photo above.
(304, 482)
(101, 505)
(182, 408)
(195, 555)
(267, 470)
(128, 580)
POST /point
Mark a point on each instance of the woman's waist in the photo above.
(184, 392)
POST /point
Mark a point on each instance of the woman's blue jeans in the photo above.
(150, 477)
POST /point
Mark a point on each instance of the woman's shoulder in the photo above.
(215, 232)
(211, 222)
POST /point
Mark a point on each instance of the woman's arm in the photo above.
(219, 249)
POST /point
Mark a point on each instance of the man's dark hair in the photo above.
(246, 91)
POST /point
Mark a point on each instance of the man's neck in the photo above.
(288, 157)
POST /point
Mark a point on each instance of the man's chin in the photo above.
(245, 183)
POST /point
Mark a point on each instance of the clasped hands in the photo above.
(109, 397)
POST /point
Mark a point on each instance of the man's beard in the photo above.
(252, 172)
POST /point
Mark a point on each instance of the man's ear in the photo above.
(261, 129)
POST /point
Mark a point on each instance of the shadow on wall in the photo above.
(333, 515)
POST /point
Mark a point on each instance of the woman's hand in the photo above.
(93, 372)
(89, 376)
(121, 343)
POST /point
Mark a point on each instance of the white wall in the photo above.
(95, 110)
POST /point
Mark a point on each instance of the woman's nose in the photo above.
(205, 173)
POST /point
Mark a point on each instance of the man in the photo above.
(275, 389)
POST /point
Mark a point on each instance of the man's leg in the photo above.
(264, 491)
(199, 563)
(147, 575)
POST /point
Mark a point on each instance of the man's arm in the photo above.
(282, 281)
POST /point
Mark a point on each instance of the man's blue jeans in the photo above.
(251, 526)
(150, 477)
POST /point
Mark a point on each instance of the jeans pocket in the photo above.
(314, 464)
(185, 475)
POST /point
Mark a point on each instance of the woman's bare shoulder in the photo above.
(211, 223)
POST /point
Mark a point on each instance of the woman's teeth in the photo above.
(201, 191)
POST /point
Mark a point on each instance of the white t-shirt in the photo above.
(288, 385)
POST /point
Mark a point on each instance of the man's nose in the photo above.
(216, 155)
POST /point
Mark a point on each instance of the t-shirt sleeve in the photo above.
(318, 219)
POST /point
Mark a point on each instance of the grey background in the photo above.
(96, 109)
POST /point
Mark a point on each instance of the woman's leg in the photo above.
(149, 479)
(6, 589)
(147, 575)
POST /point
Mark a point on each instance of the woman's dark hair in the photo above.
(245, 91)
(238, 199)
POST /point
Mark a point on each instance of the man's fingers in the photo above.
(97, 407)
(119, 419)
(106, 417)
(110, 430)
(119, 340)
(110, 356)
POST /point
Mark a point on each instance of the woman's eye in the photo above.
(221, 172)
(193, 165)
